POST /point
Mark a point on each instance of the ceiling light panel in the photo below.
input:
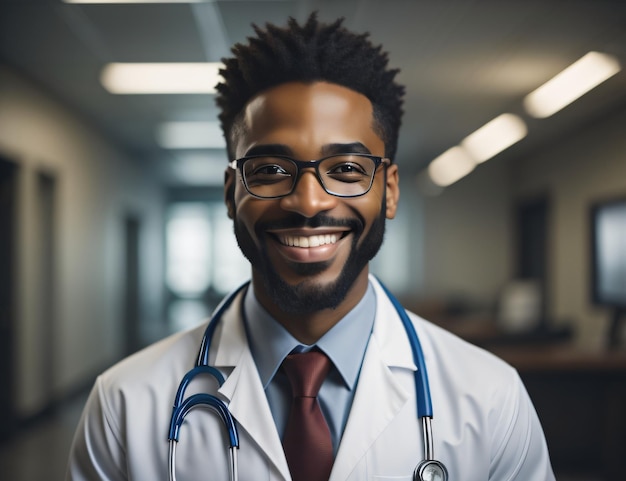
(573, 82)
(452, 165)
(161, 78)
(137, 1)
(494, 137)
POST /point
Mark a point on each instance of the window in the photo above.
(203, 260)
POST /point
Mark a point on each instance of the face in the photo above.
(310, 248)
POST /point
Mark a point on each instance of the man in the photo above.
(309, 229)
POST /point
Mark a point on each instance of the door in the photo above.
(132, 314)
(8, 200)
(532, 244)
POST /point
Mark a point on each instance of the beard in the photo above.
(309, 296)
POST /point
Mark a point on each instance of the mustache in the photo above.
(297, 221)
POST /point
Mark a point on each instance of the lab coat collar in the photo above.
(378, 399)
(243, 390)
(379, 395)
(389, 332)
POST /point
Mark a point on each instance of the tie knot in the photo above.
(306, 372)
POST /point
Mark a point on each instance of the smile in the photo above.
(308, 241)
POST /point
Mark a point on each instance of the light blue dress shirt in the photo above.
(344, 344)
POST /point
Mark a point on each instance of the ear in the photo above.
(393, 191)
(230, 177)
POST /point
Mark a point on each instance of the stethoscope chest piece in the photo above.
(430, 470)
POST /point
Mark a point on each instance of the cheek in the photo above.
(369, 206)
(245, 211)
(249, 211)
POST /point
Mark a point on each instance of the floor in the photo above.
(39, 452)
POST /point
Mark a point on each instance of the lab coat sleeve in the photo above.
(519, 450)
(97, 453)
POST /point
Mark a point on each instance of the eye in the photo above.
(269, 170)
(347, 168)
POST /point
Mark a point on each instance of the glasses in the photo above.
(274, 176)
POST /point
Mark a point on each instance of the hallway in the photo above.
(39, 452)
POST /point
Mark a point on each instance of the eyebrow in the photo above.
(349, 148)
(329, 149)
(269, 149)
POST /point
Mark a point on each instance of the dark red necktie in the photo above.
(307, 443)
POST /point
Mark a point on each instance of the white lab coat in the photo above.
(484, 425)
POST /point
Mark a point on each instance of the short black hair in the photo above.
(307, 53)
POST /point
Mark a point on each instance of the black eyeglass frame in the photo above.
(237, 164)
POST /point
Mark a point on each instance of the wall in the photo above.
(96, 185)
(464, 237)
(588, 166)
(467, 237)
(456, 245)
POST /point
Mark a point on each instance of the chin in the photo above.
(315, 286)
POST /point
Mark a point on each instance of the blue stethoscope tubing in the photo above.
(424, 400)
(182, 406)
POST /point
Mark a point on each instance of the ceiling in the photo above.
(463, 62)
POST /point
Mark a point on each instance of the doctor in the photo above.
(304, 93)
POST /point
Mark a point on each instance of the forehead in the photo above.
(307, 117)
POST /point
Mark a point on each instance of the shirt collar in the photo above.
(270, 342)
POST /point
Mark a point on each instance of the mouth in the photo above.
(309, 245)
(306, 241)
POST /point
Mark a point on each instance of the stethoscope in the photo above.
(429, 469)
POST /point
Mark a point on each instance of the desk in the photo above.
(561, 358)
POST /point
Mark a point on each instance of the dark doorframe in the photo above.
(8, 292)
(46, 246)
(532, 228)
(132, 297)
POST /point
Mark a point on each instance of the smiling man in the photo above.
(309, 247)
(324, 374)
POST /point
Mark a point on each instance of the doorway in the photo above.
(8, 227)
(532, 225)
(132, 310)
(46, 246)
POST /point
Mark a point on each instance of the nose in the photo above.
(308, 197)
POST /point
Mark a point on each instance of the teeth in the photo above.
(308, 241)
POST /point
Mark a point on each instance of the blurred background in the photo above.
(511, 231)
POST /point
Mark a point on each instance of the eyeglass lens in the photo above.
(344, 175)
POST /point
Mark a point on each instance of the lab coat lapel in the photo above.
(244, 391)
(379, 396)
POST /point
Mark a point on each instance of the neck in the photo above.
(309, 326)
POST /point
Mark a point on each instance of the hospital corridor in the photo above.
(510, 231)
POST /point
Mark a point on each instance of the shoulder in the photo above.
(469, 372)
(485, 403)
(449, 350)
(448, 356)
(149, 378)
(126, 416)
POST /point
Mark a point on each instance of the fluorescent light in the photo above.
(573, 82)
(450, 166)
(160, 78)
(495, 136)
(138, 1)
(190, 135)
